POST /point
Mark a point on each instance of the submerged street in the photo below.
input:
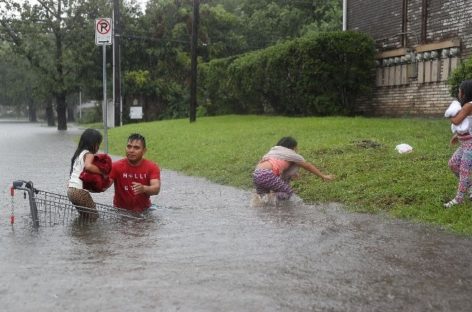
(206, 249)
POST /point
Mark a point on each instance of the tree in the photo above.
(20, 87)
(156, 58)
(221, 33)
(269, 21)
(49, 33)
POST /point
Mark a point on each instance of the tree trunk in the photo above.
(70, 113)
(61, 111)
(50, 114)
(32, 111)
(61, 105)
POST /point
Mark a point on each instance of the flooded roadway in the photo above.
(206, 249)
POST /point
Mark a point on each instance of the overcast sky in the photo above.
(142, 3)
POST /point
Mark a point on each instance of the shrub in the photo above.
(462, 72)
(320, 74)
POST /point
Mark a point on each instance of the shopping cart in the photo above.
(50, 209)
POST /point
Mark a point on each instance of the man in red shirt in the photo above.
(134, 177)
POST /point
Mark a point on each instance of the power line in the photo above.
(148, 38)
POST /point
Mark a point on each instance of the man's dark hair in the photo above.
(137, 137)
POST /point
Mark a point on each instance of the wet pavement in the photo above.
(207, 249)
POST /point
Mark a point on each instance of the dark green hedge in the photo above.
(320, 74)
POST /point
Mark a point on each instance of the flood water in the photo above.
(206, 249)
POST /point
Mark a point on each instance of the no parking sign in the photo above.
(103, 31)
(103, 37)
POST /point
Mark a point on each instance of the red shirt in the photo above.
(123, 174)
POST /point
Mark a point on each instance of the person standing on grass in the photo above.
(461, 161)
(82, 160)
(275, 170)
(135, 178)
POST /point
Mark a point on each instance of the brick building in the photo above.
(419, 42)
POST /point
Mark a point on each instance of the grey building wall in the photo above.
(419, 43)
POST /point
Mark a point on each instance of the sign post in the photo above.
(103, 31)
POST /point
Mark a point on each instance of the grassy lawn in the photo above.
(371, 175)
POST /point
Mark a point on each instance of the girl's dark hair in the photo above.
(466, 86)
(137, 137)
(89, 140)
(287, 142)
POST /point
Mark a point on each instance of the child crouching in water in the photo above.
(275, 170)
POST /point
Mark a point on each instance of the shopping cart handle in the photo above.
(19, 184)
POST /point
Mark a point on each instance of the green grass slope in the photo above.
(371, 175)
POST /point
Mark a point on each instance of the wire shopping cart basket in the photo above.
(49, 208)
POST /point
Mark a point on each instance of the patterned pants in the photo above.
(461, 164)
(266, 181)
(82, 198)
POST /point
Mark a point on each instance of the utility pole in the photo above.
(193, 74)
(116, 63)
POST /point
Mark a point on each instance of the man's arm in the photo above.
(111, 177)
(152, 189)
